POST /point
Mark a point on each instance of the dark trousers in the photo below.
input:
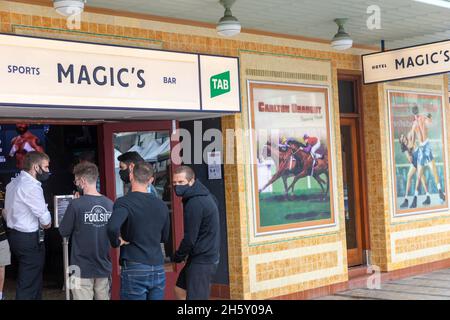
(196, 279)
(30, 255)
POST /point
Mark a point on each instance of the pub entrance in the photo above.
(68, 143)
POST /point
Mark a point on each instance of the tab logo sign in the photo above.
(220, 84)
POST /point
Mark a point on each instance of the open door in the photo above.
(352, 192)
(152, 140)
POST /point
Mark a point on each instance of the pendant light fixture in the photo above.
(228, 25)
(341, 40)
(69, 7)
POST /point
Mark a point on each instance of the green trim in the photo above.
(282, 55)
(86, 33)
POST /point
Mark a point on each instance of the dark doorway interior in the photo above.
(215, 186)
(64, 144)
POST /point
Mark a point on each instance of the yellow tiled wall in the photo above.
(284, 264)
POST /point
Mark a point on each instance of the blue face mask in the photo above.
(180, 190)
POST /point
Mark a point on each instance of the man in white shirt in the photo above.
(26, 215)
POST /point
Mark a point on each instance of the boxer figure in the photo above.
(23, 143)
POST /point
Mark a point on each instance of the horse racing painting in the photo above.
(291, 157)
(418, 152)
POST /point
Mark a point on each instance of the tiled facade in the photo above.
(282, 264)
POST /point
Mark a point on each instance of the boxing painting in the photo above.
(418, 152)
(24, 142)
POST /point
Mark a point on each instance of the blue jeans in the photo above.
(142, 282)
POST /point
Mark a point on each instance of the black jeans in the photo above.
(196, 279)
(30, 255)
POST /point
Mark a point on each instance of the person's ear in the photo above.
(131, 166)
(131, 175)
(191, 183)
(151, 180)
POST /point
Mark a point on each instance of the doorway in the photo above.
(352, 144)
(66, 144)
(151, 139)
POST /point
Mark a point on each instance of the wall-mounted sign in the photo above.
(55, 73)
(214, 165)
(404, 63)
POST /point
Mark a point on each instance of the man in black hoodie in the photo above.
(201, 241)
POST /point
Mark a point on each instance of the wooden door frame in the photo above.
(356, 77)
(108, 172)
(355, 256)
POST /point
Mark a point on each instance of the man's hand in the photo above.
(123, 242)
(47, 226)
(177, 259)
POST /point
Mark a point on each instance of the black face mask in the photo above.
(43, 175)
(125, 175)
(180, 190)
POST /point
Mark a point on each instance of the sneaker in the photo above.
(414, 203)
(405, 204)
(427, 201)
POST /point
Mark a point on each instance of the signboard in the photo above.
(214, 165)
(60, 204)
(405, 63)
(57, 73)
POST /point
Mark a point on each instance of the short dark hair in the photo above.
(130, 157)
(32, 158)
(415, 109)
(142, 172)
(86, 170)
(190, 174)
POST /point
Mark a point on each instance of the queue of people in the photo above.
(137, 223)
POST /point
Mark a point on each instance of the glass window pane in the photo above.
(154, 148)
(349, 192)
(347, 96)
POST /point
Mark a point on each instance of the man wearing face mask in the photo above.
(85, 222)
(23, 143)
(26, 215)
(201, 242)
(140, 222)
(127, 161)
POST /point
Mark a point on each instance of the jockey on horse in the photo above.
(311, 145)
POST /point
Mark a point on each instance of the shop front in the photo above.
(76, 101)
(316, 189)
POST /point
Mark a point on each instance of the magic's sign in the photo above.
(56, 73)
(418, 61)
